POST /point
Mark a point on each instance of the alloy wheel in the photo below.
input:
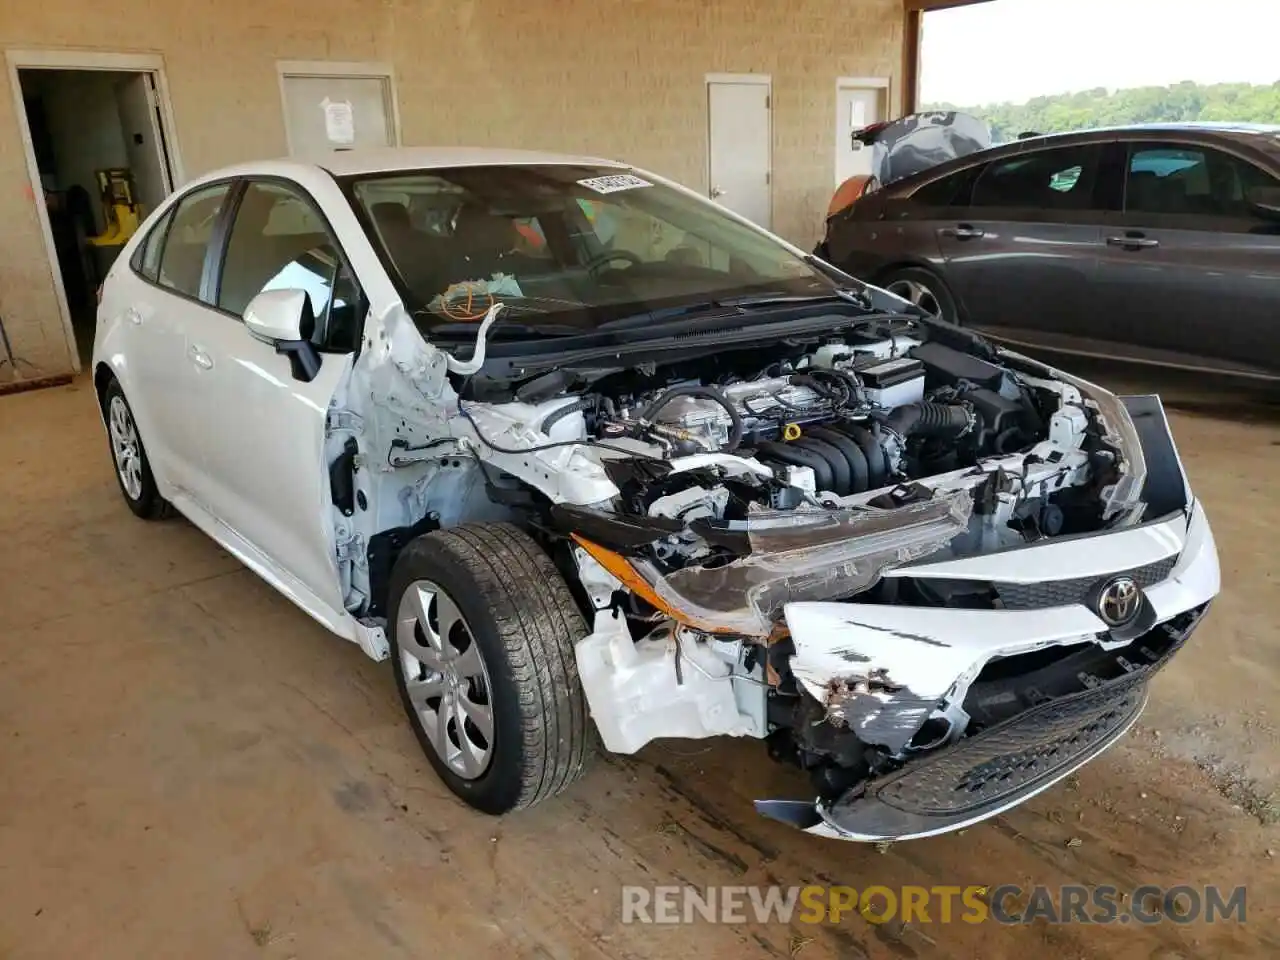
(918, 294)
(446, 678)
(125, 447)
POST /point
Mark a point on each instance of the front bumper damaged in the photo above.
(883, 670)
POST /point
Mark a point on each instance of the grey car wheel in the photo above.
(446, 678)
(129, 456)
(482, 628)
(917, 293)
(125, 447)
(923, 289)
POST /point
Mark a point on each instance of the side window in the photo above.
(146, 259)
(953, 190)
(1061, 179)
(187, 239)
(1190, 181)
(279, 242)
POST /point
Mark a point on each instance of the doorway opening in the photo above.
(100, 160)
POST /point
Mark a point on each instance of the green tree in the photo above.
(1185, 101)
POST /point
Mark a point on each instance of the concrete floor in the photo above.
(192, 768)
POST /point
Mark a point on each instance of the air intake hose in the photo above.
(650, 412)
(942, 420)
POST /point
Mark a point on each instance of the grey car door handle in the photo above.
(962, 232)
(134, 315)
(1133, 243)
(201, 359)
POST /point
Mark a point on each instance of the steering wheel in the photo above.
(611, 256)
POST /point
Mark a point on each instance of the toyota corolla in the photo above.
(590, 458)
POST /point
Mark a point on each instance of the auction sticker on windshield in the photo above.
(615, 183)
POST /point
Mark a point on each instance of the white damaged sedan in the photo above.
(589, 457)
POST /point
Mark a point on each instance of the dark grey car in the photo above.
(1158, 244)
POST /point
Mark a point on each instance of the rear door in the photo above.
(163, 301)
(1021, 255)
(1190, 272)
(264, 429)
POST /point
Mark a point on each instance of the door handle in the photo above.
(1133, 242)
(962, 232)
(134, 315)
(200, 358)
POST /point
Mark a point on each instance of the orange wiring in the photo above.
(470, 310)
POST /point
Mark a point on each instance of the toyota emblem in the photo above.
(1119, 601)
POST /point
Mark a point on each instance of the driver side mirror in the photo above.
(1265, 201)
(284, 318)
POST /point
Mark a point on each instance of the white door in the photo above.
(263, 428)
(159, 310)
(323, 114)
(139, 107)
(856, 107)
(738, 117)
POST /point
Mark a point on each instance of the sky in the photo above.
(1013, 50)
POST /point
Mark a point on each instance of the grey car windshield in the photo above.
(566, 248)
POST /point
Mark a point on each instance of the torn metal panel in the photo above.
(882, 670)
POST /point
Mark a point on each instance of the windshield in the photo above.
(567, 249)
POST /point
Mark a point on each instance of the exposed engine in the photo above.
(843, 420)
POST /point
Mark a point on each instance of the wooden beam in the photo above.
(919, 5)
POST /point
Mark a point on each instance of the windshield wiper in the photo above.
(466, 329)
(739, 306)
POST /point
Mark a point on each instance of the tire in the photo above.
(132, 468)
(924, 289)
(513, 655)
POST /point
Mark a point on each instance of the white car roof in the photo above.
(391, 159)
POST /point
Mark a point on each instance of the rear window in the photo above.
(1059, 179)
(146, 259)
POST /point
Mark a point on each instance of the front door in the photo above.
(856, 107)
(1189, 270)
(1021, 255)
(740, 159)
(265, 430)
(327, 113)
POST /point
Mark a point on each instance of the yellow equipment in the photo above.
(121, 212)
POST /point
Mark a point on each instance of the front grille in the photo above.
(1008, 759)
(1064, 593)
(1013, 756)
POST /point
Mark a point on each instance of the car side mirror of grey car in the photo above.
(285, 319)
(1264, 200)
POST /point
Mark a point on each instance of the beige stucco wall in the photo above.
(617, 78)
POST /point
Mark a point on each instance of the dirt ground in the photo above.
(192, 768)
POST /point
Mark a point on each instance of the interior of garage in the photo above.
(95, 136)
(195, 769)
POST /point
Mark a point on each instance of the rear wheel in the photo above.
(482, 644)
(133, 470)
(925, 290)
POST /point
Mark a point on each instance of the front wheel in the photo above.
(924, 290)
(482, 643)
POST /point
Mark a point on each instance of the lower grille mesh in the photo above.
(1006, 759)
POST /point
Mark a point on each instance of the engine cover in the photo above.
(761, 404)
